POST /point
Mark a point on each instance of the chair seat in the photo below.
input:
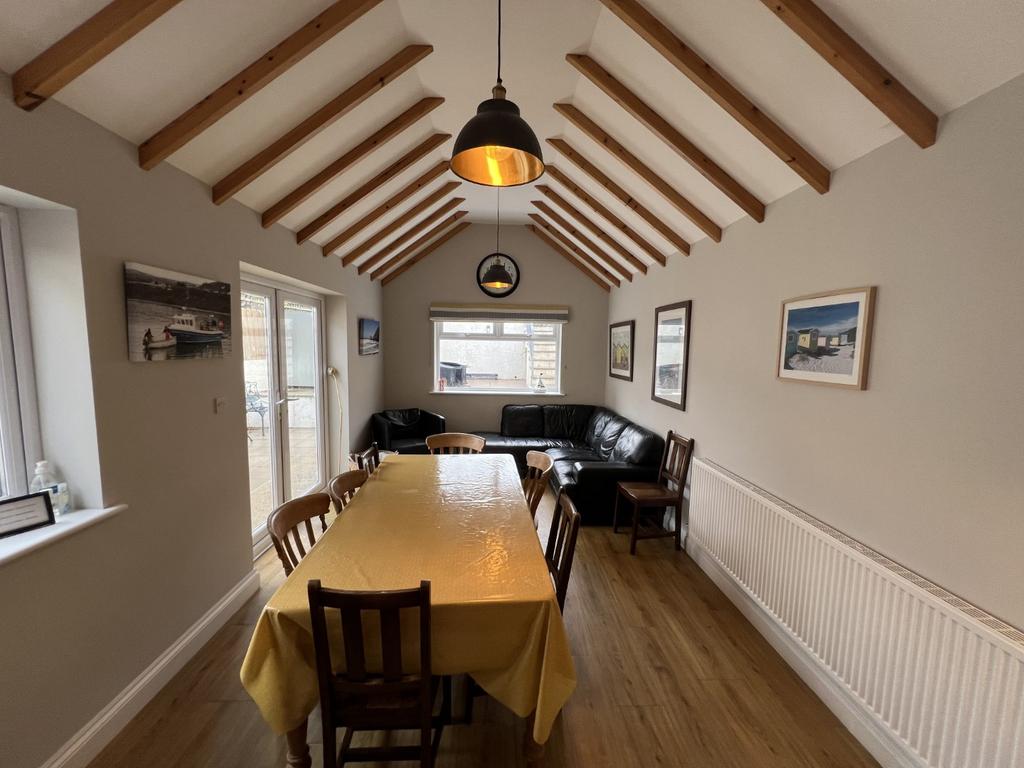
(648, 493)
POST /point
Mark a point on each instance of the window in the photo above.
(19, 430)
(497, 356)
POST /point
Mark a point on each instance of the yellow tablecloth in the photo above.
(461, 522)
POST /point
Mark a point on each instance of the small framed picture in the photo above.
(620, 349)
(369, 336)
(825, 338)
(671, 354)
(25, 513)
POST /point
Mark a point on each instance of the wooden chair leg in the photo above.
(636, 529)
(679, 527)
(615, 514)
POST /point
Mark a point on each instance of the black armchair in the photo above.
(406, 429)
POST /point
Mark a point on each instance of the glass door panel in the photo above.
(303, 402)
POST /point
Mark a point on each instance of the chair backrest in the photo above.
(368, 459)
(675, 462)
(343, 487)
(538, 469)
(565, 527)
(358, 680)
(287, 523)
(455, 442)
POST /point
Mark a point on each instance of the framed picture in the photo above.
(825, 338)
(369, 336)
(671, 354)
(620, 349)
(172, 315)
(25, 513)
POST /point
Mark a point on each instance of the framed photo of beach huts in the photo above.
(173, 316)
(620, 349)
(826, 338)
(369, 336)
(671, 354)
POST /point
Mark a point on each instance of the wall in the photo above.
(924, 466)
(96, 608)
(449, 275)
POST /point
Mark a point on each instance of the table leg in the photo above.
(534, 751)
(298, 748)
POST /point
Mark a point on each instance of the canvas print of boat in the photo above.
(369, 336)
(172, 315)
(825, 338)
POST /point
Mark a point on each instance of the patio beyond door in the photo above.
(284, 398)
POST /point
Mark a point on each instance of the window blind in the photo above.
(519, 313)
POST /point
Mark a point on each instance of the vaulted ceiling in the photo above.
(339, 130)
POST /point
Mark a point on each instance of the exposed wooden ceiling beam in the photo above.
(582, 121)
(371, 143)
(567, 226)
(624, 197)
(83, 47)
(325, 116)
(392, 202)
(661, 127)
(274, 62)
(418, 152)
(429, 235)
(607, 239)
(578, 252)
(398, 223)
(601, 210)
(410, 233)
(424, 253)
(858, 66)
(557, 248)
(724, 93)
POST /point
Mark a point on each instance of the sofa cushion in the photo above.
(603, 431)
(409, 445)
(522, 421)
(563, 476)
(503, 443)
(572, 454)
(637, 445)
(566, 421)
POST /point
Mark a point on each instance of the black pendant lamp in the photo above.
(497, 147)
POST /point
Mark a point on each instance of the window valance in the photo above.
(520, 313)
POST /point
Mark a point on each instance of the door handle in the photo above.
(286, 400)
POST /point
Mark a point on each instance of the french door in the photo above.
(284, 398)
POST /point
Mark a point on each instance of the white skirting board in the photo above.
(81, 748)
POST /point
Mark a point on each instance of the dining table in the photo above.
(461, 522)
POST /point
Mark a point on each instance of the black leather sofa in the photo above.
(593, 449)
(406, 429)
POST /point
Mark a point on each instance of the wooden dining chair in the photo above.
(368, 459)
(561, 548)
(538, 469)
(455, 442)
(343, 487)
(666, 492)
(364, 699)
(288, 522)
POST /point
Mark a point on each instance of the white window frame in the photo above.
(498, 335)
(20, 442)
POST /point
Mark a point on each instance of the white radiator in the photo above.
(942, 680)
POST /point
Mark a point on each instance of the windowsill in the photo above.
(502, 392)
(21, 544)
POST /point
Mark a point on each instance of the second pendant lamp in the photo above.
(497, 147)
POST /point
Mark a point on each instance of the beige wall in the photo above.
(449, 275)
(926, 465)
(90, 612)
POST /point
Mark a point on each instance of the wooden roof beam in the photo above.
(721, 91)
(601, 210)
(568, 227)
(578, 252)
(410, 233)
(662, 128)
(578, 118)
(424, 253)
(858, 66)
(403, 163)
(398, 223)
(388, 205)
(607, 239)
(250, 80)
(84, 46)
(328, 114)
(429, 235)
(557, 248)
(618, 192)
(370, 144)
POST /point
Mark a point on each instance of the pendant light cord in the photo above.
(499, 42)
(497, 228)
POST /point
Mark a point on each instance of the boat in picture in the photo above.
(186, 328)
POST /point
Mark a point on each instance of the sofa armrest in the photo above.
(381, 431)
(431, 423)
(611, 473)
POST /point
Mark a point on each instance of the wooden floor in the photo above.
(670, 674)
